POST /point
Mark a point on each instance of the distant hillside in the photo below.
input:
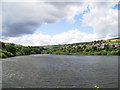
(100, 47)
(113, 39)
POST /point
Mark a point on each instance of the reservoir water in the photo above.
(60, 71)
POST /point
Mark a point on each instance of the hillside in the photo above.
(100, 47)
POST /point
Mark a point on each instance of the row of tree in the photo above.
(84, 50)
(10, 49)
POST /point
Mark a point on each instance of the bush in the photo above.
(19, 53)
(4, 56)
(113, 53)
(11, 48)
(97, 53)
(9, 54)
(0, 55)
(32, 52)
(103, 53)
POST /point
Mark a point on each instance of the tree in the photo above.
(26, 50)
(107, 47)
(94, 48)
(79, 49)
(11, 48)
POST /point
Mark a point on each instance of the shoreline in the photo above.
(59, 54)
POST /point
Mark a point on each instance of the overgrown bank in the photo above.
(101, 47)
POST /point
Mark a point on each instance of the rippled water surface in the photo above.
(60, 71)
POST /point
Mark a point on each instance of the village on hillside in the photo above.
(101, 43)
(99, 47)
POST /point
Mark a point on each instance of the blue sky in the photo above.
(63, 25)
(117, 6)
(49, 23)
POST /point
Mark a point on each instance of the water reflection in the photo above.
(64, 71)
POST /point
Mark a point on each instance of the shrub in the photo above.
(97, 53)
(4, 56)
(19, 53)
(9, 54)
(32, 52)
(113, 53)
(91, 53)
(103, 53)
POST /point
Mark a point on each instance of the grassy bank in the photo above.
(100, 47)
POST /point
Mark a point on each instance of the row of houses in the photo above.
(100, 45)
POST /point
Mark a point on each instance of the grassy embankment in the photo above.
(100, 47)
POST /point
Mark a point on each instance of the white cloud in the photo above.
(20, 18)
(60, 0)
(103, 19)
(0, 19)
(35, 39)
(72, 36)
(74, 10)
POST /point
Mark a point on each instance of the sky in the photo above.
(37, 22)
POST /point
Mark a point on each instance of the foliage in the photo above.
(10, 48)
(9, 54)
(19, 53)
(4, 56)
(100, 47)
